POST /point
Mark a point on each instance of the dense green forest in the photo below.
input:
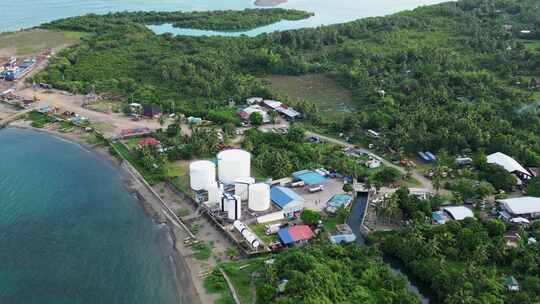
(454, 76)
(467, 261)
(325, 274)
(208, 20)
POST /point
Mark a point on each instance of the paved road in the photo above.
(425, 182)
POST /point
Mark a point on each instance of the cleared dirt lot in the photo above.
(109, 124)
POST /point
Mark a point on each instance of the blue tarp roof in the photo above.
(285, 236)
(281, 196)
(310, 178)
(438, 216)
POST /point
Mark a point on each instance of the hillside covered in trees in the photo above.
(458, 76)
(467, 261)
(325, 274)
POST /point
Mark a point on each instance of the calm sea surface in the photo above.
(28, 13)
(70, 233)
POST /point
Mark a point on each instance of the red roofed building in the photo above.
(148, 142)
(298, 234)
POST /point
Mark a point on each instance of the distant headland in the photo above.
(268, 3)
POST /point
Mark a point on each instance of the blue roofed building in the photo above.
(287, 200)
(343, 234)
(309, 177)
(337, 201)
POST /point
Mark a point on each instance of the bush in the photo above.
(310, 217)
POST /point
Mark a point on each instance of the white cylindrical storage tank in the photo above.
(259, 197)
(201, 174)
(234, 209)
(214, 196)
(233, 164)
(250, 237)
(241, 187)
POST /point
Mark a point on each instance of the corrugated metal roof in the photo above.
(459, 212)
(300, 232)
(507, 162)
(285, 237)
(282, 196)
(310, 178)
(522, 205)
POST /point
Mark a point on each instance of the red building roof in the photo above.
(148, 142)
(300, 233)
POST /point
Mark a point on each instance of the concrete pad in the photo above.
(318, 201)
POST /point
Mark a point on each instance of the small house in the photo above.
(511, 238)
(152, 111)
(295, 235)
(343, 234)
(148, 142)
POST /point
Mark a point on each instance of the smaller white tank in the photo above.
(259, 197)
(234, 209)
(250, 237)
(201, 174)
(241, 187)
(214, 195)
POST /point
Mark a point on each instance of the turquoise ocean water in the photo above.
(70, 233)
(15, 15)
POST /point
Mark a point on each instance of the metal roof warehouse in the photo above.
(287, 200)
(310, 178)
(526, 206)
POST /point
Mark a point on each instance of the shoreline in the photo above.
(182, 272)
(269, 3)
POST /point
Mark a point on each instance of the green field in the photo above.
(32, 41)
(105, 106)
(328, 95)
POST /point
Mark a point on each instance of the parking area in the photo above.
(318, 201)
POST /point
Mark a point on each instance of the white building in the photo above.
(459, 213)
(527, 206)
(509, 164)
(246, 113)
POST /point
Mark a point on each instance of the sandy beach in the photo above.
(189, 284)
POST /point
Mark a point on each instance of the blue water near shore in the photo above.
(15, 15)
(71, 233)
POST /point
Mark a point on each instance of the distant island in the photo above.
(269, 2)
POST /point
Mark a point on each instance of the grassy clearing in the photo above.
(178, 172)
(39, 120)
(105, 106)
(240, 273)
(202, 251)
(260, 231)
(32, 41)
(215, 283)
(328, 95)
